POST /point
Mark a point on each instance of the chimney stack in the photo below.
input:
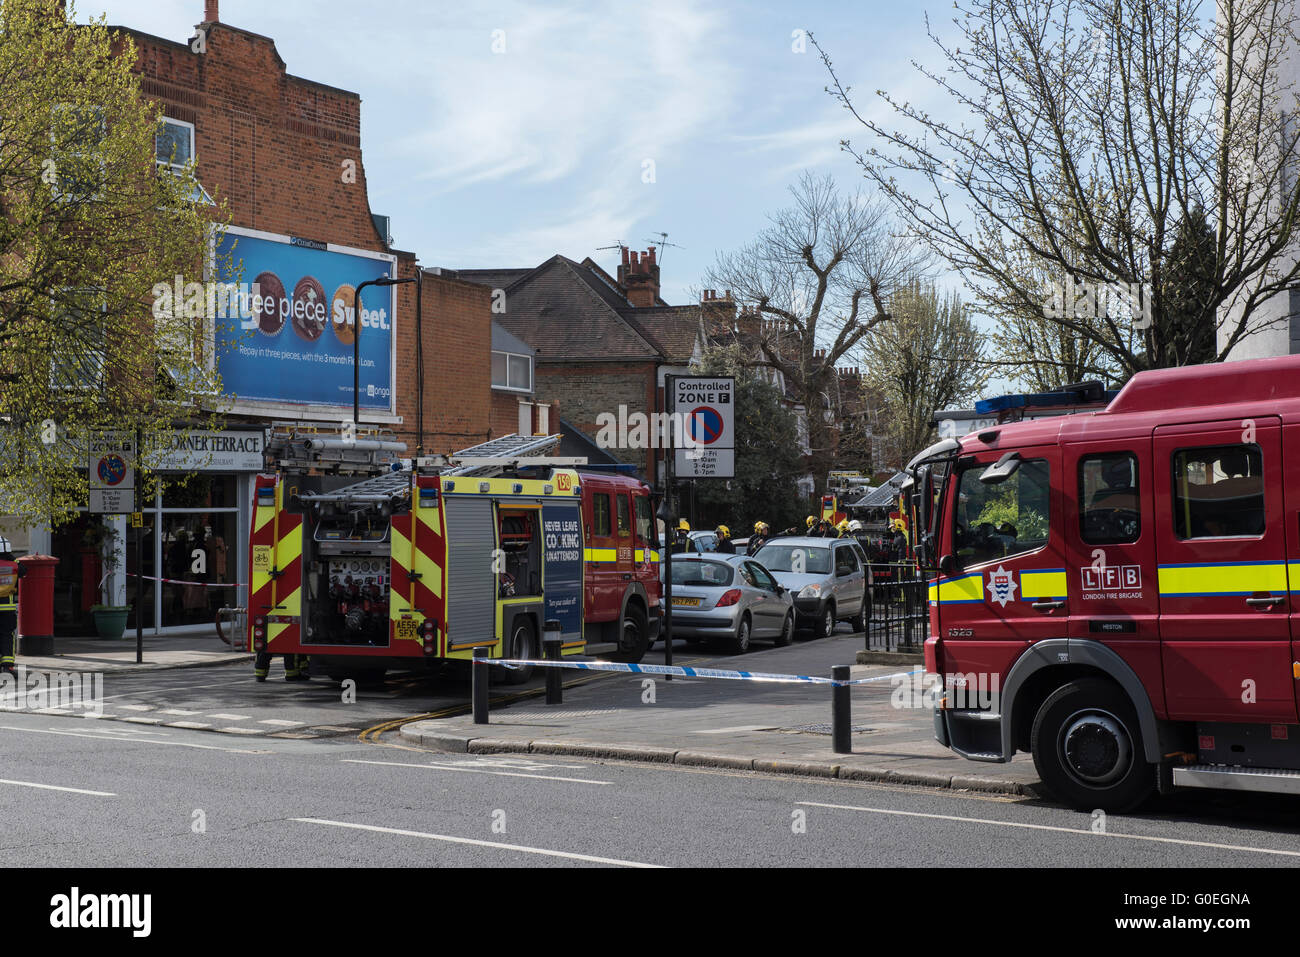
(639, 275)
(210, 14)
(719, 313)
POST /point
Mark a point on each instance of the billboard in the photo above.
(291, 340)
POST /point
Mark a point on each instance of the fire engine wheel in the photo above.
(1087, 747)
(634, 637)
(740, 641)
(523, 644)
(787, 631)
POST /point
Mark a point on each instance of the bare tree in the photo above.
(1096, 127)
(824, 270)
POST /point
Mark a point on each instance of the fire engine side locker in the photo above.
(471, 586)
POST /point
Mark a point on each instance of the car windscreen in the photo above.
(702, 573)
(799, 559)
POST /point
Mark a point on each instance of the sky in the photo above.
(497, 133)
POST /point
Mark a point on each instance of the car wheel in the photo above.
(787, 631)
(1087, 747)
(859, 621)
(740, 643)
(826, 623)
(634, 635)
(522, 644)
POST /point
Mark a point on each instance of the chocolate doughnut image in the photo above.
(271, 315)
(341, 304)
(310, 311)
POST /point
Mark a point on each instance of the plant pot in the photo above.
(110, 623)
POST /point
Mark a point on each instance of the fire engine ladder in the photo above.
(509, 452)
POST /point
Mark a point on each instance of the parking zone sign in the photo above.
(111, 468)
(707, 410)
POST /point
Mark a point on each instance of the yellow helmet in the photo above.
(812, 520)
(724, 531)
(760, 527)
(843, 526)
(683, 526)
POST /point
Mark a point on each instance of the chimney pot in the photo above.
(625, 254)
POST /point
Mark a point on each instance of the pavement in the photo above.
(739, 725)
(161, 653)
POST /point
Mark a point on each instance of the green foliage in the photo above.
(1029, 522)
(89, 225)
(768, 462)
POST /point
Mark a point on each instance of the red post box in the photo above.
(36, 605)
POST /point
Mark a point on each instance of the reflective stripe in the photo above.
(640, 555)
(1227, 578)
(964, 590)
(600, 554)
(1042, 583)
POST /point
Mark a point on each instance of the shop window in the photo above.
(199, 551)
(1218, 492)
(999, 521)
(1110, 510)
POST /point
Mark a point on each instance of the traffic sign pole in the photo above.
(139, 568)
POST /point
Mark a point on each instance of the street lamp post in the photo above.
(356, 339)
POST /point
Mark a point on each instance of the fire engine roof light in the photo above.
(484, 486)
(1078, 393)
(518, 487)
(548, 489)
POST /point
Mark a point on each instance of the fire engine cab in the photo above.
(1113, 591)
(364, 562)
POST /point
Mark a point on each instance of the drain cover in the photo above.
(823, 729)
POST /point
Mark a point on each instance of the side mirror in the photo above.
(1002, 470)
(948, 564)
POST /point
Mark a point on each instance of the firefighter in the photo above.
(756, 541)
(681, 537)
(725, 545)
(10, 572)
(296, 667)
(842, 529)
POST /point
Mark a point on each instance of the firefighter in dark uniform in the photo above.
(10, 572)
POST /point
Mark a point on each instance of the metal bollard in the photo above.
(841, 712)
(479, 685)
(552, 640)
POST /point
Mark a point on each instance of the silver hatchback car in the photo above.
(826, 576)
(732, 597)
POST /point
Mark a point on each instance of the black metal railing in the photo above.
(899, 614)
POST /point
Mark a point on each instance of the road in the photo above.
(78, 793)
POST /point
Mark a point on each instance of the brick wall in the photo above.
(285, 153)
(585, 390)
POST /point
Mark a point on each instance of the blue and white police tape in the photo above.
(516, 663)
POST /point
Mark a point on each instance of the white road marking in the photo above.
(136, 707)
(219, 684)
(476, 843)
(330, 727)
(281, 723)
(231, 717)
(131, 740)
(179, 712)
(143, 720)
(188, 725)
(740, 727)
(55, 787)
(1052, 827)
(453, 767)
(238, 730)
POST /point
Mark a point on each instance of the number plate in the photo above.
(407, 629)
(687, 602)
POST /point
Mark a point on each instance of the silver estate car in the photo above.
(729, 596)
(826, 577)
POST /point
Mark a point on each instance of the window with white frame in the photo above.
(512, 371)
(174, 142)
(83, 355)
(78, 169)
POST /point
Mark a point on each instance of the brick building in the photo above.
(601, 342)
(284, 153)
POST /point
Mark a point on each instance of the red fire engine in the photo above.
(1118, 582)
(364, 564)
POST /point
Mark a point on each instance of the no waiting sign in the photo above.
(706, 405)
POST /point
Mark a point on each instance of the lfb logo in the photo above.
(1112, 577)
(1002, 586)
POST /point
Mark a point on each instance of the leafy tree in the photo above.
(929, 358)
(90, 224)
(768, 460)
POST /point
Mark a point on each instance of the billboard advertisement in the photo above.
(292, 339)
